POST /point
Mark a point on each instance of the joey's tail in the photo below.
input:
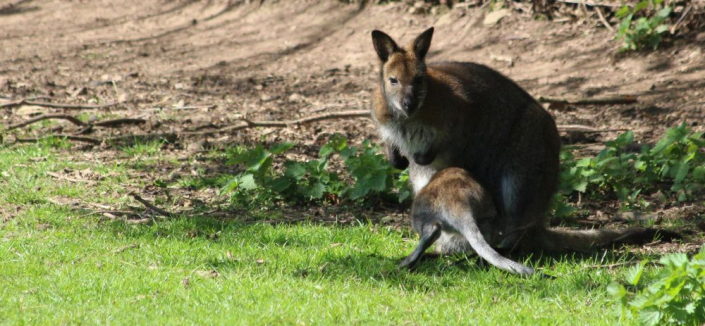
(563, 240)
(471, 232)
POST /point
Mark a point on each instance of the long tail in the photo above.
(564, 240)
(472, 233)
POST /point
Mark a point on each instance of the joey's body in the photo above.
(453, 205)
(466, 115)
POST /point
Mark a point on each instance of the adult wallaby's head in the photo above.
(403, 71)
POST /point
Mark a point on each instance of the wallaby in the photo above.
(454, 205)
(466, 115)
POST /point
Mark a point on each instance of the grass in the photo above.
(59, 265)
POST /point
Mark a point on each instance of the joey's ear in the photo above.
(422, 43)
(384, 45)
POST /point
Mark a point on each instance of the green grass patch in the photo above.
(59, 265)
(59, 268)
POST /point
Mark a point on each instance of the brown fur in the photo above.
(456, 114)
(455, 206)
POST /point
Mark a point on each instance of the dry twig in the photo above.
(119, 122)
(603, 20)
(69, 118)
(621, 99)
(680, 20)
(244, 124)
(84, 139)
(150, 206)
(63, 177)
(59, 105)
(76, 121)
(121, 249)
(583, 128)
(626, 263)
(591, 4)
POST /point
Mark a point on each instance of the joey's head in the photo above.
(403, 72)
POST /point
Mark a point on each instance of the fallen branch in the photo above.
(91, 140)
(313, 118)
(76, 121)
(121, 249)
(150, 206)
(269, 123)
(69, 118)
(244, 124)
(63, 177)
(622, 99)
(591, 4)
(59, 105)
(583, 128)
(113, 217)
(603, 20)
(680, 20)
(168, 136)
(119, 122)
(626, 263)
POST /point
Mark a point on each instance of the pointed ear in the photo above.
(422, 43)
(384, 45)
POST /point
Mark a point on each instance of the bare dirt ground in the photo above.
(203, 65)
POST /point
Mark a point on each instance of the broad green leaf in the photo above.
(639, 301)
(650, 316)
(281, 148)
(641, 5)
(280, 184)
(316, 191)
(230, 186)
(697, 139)
(661, 28)
(616, 290)
(247, 181)
(294, 170)
(677, 260)
(634, 273)
(584, 162)
(699, 173)
(378, 180)
(690, 308)
(257, 156)
(663, 13)
(581, 186)
(623, 11)
(683, 169)
(238, 158)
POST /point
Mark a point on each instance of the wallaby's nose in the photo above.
(406, 103)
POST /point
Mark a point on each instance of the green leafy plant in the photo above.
(647, 29)
(675, 165)
(368, 173)
(675, 297)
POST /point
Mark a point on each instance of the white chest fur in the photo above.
(409, 137)
(412, 138)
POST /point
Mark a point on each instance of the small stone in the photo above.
(494, 17)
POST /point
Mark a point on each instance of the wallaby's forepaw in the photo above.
(399, 162)
(424, 158)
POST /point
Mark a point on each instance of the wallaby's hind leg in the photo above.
(523, 205)
(429, 234)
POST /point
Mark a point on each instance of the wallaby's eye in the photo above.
(393, 81)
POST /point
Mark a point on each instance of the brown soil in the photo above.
(290, 59)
